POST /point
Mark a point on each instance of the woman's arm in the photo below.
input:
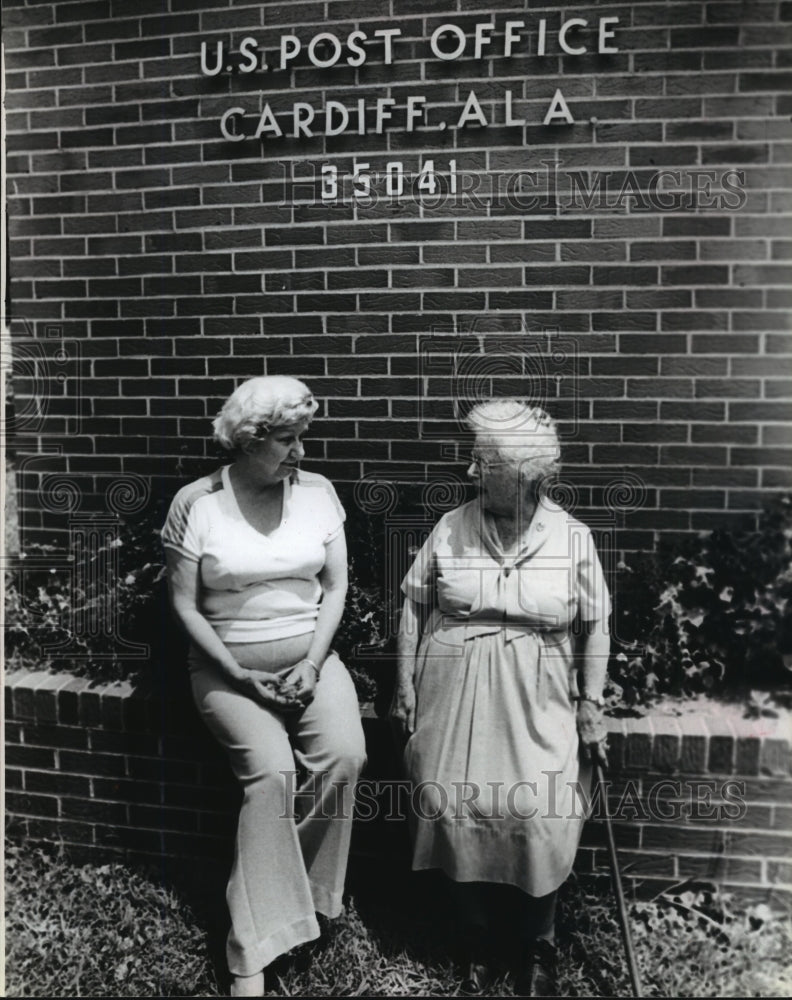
(333, 578)
(594, 652)
(334, 581)
(184, 589)
(402, 710)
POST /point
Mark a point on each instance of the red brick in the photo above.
(66, 736)
(14, 778)
(129, 790)
(637, 751)
(140, 846)
(60, 832)
(776, 757)
(693, 758)
(748, 753)
(94, 810)
(26, 757)
(721, 754)
(92, 763)
(779, 872)
(324, 246)
(625, 834)
(696, 225)
(162, 769)
(767, 845)
(161, 819)
(720, 869)
(23, 804)
(666, 749)
(641, 864)
(57, 783)
(674, 839)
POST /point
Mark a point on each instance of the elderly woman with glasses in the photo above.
(503, 649)
(257, 571)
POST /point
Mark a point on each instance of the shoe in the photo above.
(536, 971)
(476, 980)
(474, 953)
(248, 986)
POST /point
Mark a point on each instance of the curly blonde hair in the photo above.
(510, 430)
(259, 405)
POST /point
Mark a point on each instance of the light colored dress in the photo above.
(498, 789)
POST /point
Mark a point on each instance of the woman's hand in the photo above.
(402, 710)
(267, 689)
(301, 681)
(592, 732)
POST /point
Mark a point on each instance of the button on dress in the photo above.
(499, 791)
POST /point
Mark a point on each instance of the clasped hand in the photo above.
(284, 693)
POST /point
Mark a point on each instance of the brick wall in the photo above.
(154, 263)
(114, 772)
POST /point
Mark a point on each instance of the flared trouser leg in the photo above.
(292, 839)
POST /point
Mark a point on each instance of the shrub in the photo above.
(80, 621)
(362, 639)
(103, 618)
(709, 613)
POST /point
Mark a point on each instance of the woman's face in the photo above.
(497, 481)
(277, 453)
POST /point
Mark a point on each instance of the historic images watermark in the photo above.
(439, 181)
(661, 801)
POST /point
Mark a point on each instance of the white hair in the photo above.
(260, 404)
(524, 436)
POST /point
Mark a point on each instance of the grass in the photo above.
(107, 930)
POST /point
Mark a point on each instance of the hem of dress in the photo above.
(257, 957)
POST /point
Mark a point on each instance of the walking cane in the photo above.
(635, 978)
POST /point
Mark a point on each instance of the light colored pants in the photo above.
(294, 828)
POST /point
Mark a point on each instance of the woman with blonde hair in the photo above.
(257, 572)
(503, 649)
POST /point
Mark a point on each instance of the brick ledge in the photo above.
(695, 742)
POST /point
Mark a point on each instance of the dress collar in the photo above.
(528, 543)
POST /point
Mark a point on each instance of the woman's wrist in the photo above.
(597, 700)
(233, 671)
(312, 663)
(405, 680)
(405, 665)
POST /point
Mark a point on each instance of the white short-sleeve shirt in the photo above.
(256, 587)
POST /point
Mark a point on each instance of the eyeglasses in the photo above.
(485, 463)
